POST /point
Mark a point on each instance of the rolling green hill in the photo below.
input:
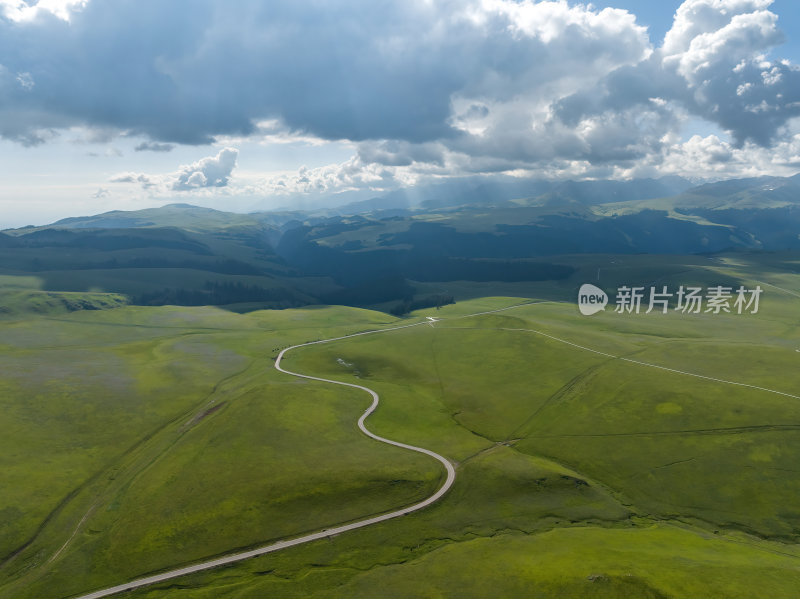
(184, 216)
(158, 265)
(643, 455)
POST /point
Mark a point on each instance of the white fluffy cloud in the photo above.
(21, 11)
(187, 71)
(209, 172)
(712, 65)
(698, 21)
(213, 171)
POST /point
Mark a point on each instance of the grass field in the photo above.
(23, 295)
(142, 438)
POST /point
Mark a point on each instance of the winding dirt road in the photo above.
(237, 557)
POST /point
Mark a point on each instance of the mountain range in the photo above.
(380, 250)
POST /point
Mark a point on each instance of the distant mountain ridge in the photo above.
(603, 192)
(185, 216)
(672, 191)
(468, 230)
(502, 190)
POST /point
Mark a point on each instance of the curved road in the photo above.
(236, 557)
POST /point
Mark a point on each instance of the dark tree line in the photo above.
(227, 267)
(375, 291)
(216, 293)
(429, 301)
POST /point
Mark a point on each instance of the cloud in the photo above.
(146, 146)
(186, 72)
(422, 88)
(25, 81)
(710, 157)
(400, 153)
(208, 172)
(351, 175)
(145, 180)
(711, 65)
(22, 11)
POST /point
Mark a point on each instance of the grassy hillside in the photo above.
(184, 216)
(579, 473)
(156, 266)
(110, 410)
(20, 296)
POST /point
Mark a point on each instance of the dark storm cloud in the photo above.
(504, 83)
(184, 72)
(146, 146)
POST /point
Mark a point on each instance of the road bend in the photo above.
(327, 532)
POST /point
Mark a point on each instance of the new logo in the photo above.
(591, 299)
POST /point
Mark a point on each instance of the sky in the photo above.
(250, 105)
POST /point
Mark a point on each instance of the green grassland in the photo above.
(22, 295)
(144, 438)
(112, 420)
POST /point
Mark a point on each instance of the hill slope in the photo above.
(471, 231)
